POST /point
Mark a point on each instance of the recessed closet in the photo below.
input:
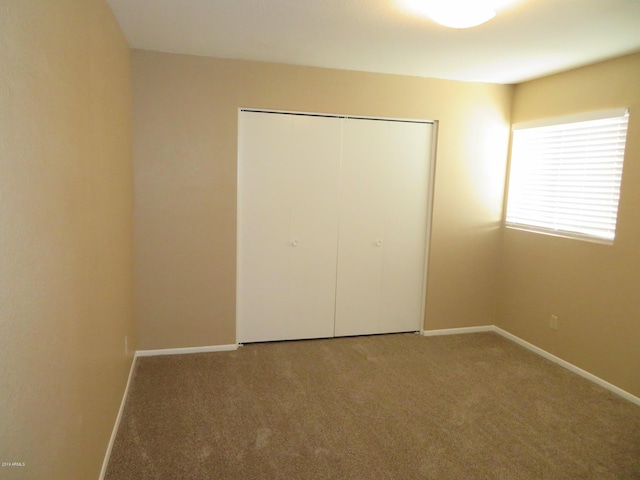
(332, 225)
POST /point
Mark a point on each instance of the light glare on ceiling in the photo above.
(456, 13)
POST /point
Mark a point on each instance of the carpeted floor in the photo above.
(382, 407)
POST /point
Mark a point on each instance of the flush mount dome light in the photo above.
(456, 13)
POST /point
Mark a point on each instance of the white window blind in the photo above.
(565, 178)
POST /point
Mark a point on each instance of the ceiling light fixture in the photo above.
(456, 13)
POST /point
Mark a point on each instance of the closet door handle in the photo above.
(294, 243)
(379, 243)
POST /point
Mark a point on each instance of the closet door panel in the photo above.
(263, 219)
(361, 243)
(405, 211)
(314, 225)
(332, 223)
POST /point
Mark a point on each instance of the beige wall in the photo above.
(66, 286)
(594, 289)
(185, 123)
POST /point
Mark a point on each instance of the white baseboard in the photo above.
(148, 353)
(182, 351)
(457, 331)
(569, 366)
(114, 432)
(543, 353)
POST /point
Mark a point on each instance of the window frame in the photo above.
(557, 122)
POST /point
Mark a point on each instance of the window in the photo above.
(565, 175)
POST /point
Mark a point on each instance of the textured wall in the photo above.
(185, 149)
(592, 288)
(66, 279)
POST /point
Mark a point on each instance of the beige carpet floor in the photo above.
(400, 406)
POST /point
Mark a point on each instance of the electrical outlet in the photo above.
(553, 322)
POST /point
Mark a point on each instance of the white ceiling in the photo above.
(528, 39)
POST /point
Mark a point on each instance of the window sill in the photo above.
(560, 233)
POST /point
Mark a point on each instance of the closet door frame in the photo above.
(430, 182)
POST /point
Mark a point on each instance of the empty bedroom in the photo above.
(394, 239)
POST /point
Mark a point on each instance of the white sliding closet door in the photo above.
(288, 168)
(405, 227)
(313, 225)
(263, 225)
(383, 222)
(360, 253)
